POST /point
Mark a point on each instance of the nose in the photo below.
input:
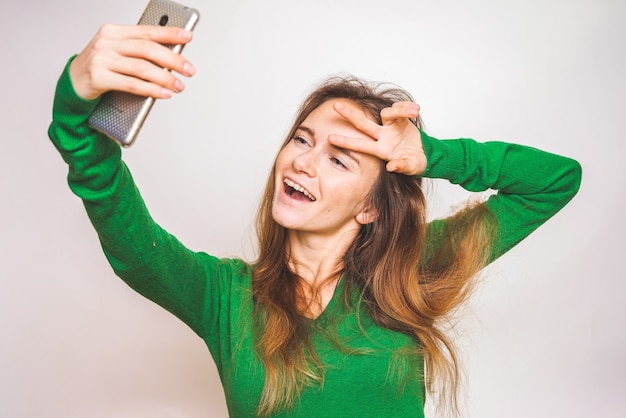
(305, 163)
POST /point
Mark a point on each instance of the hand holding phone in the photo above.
(132, 75)
(113, 61)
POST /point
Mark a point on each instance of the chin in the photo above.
(280, 220)
(291, 222)
(285, 223)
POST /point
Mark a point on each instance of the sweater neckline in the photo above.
(332, 303)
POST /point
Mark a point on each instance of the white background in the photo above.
(543, 336)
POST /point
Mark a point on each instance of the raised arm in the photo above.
(532, 185)
(148, 258)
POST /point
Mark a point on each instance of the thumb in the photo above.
(403, 166)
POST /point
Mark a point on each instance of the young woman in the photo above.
(341, 313)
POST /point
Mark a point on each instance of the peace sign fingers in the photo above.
(397, 141)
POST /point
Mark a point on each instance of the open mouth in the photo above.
(293, 189)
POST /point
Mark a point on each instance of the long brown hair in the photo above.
(410, 282)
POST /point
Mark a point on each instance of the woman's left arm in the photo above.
(532, 185)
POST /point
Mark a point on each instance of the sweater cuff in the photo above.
(70, 112)
(444, 158)
(67, 103)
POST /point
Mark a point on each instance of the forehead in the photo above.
(324, 120)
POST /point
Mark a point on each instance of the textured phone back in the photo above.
(178, 15)
(120, 115)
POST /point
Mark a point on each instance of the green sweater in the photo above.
(366, 375)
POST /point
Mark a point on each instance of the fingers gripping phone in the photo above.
(120, 115)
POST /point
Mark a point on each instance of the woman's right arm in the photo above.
(149, 259)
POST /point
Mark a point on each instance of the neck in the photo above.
(318, 261)
(315, 257)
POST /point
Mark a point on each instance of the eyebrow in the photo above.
(350, 154)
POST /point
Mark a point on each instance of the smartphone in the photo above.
(120, 115)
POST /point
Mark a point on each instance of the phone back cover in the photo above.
(120, 115)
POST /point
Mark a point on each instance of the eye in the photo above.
(300, 140)
(337, 162)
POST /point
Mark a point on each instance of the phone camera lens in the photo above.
(164, 20)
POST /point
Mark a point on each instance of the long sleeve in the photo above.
(145, 256)
(532, 185)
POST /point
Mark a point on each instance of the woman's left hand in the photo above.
(397, 140)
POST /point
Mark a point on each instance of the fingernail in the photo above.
(184, 35)
(166, 93)
(179, 86)
(189, 69)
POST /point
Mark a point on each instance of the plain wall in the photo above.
(544, 334)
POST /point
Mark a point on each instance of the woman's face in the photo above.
(321, 188)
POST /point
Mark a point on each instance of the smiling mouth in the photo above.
(293, 189)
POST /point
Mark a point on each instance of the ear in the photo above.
(367, 215)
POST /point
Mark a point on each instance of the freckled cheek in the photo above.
(344, 199)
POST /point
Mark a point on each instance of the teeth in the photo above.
(299, 188)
